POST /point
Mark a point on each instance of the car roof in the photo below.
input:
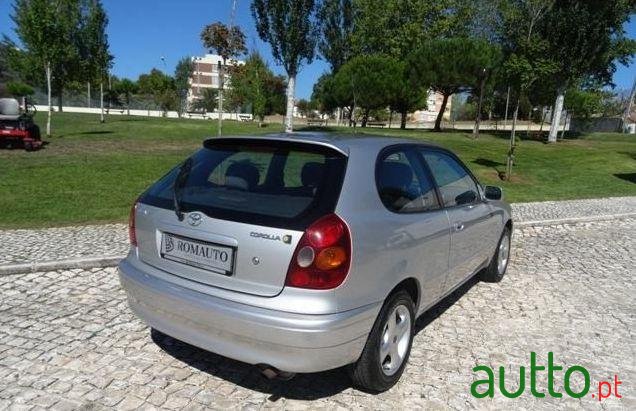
(344, 143)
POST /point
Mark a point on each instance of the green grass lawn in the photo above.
(91, 172)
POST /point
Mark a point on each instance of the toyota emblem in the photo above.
(194, 219)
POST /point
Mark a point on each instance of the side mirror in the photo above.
(493, 193)
(466, 197)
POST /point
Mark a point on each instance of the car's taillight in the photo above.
(132, 233)
(323, 256)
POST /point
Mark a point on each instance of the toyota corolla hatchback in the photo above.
(308, 252)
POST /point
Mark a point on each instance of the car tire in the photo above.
(499, 263)
(373, 373)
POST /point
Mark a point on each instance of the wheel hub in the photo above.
(394, 342)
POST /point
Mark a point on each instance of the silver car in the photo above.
(309, 252)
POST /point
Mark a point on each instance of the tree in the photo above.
(526, 62)
(253, 85)
(586, 39)
(396, 27)
(488, 60)
(227, 42)
(448, 66)
(371, 82)
(64, 41)
(303, 107)
(46, 29)
(19, 90)
(408, 95)
(336, 19)
(207, 100)
(289, 28)
(126, 88)
(323, 95)
(182, 74)
(277, 101)
(161, 87)
(94, 48)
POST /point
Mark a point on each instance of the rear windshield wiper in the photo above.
(182, 177)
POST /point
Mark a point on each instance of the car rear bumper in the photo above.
(288, 341)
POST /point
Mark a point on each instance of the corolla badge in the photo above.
(194, 219)
(285, 238)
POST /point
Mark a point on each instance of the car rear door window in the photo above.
(275, 183)
(403, 184)
(456, 185)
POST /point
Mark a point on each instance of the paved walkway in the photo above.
(69, 341)
(32, 250)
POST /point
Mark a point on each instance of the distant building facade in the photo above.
(433, 105)
(205, 74)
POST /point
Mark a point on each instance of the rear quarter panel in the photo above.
(386, 247)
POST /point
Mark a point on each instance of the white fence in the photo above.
(150, 113)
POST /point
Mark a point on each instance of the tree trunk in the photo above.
(88, 99)
(48, 92)
(479, 104)
(440, 115)
(543, 115)
(403, 115)
(60, 101)
(289, 115)
(511, 149)
(565, 124)
(128, 103)
(556, 116)
(507, 104)
(101, 101)
(390, 117)
(365, 118)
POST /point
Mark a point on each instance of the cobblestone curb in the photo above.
(94, 246)
(100, 262)
(573, 220)
(81, 263)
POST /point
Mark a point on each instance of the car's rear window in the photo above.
(265, 182)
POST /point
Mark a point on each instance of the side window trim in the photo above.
(480, 197)
(420, 170)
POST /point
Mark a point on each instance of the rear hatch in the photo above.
(245, 204)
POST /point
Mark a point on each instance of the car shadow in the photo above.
(440, 308)
(303, 386)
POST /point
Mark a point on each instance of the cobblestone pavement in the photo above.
(68, 340)
(111, 240)
(51, 244)
(552, 210)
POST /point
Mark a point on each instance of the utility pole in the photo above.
(221, 73)
(220, 66)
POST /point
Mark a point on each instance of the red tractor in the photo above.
(17, 126)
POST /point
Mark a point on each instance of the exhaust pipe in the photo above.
(272, 373)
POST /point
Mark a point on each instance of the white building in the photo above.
(434, 104)
(205, 74)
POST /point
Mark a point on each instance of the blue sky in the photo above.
(142, 31)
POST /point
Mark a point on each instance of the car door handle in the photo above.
(459, 226)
